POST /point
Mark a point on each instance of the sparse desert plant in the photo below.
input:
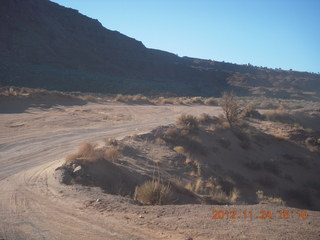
(261, 198)
(88, 153)
(160, 141)
(112, 154)
(179, 149)
(153, 193)
(279, 116)
(312, 144)
(188, 122)
(210, 101)
(230, 108)
(121, 98)
(86, 150)
(188, 161)
(250, 112)
(71, 158)
(205, 118)
(111, 142)
(198, 185)
(172, 135)
(224, 198)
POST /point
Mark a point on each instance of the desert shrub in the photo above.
(205, 118)
(139, 98)
(121, 98)
(224, 198)
(231, 109)
(188, 122)
(261, 198)
(279, 116)
(111, 142)
(311, 141)
(71, 158)
(153, 193)
(163, 100)
(210, 101)
(89, 98)
(86, 153)
(197, 100)
(179, 149)
(160, 141)
(197, 187)
(171, 135)
(251, 112)
(268, 105)
(111, 154)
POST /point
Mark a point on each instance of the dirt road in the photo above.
(34, 206)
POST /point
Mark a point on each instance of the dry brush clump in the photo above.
(153, 192)
(88, 153)
(261, 198)
(138, 98)
(187, 122)
(250, 111)
(205, 118)
(230, 108)
(279, 115)
(211, 189)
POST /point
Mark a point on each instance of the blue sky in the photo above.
(271, 33)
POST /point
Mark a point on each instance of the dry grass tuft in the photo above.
(172, 135)
(188, 122)
(250, 112)
(210, 101)
(266, 199)
(279, 116)
(153, 193)
(112, 154)
(111, 142)
(71, 158)
(205, 118)
(210, 188)
(179, 149)
(88, 153)
(160, 141)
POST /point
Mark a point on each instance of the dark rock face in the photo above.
(46, 45)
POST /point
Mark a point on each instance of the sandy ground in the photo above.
(33, 205)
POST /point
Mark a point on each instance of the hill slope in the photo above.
(46, 45)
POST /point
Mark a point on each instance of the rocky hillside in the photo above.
(46, 45)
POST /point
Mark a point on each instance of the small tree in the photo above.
(230, 107)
